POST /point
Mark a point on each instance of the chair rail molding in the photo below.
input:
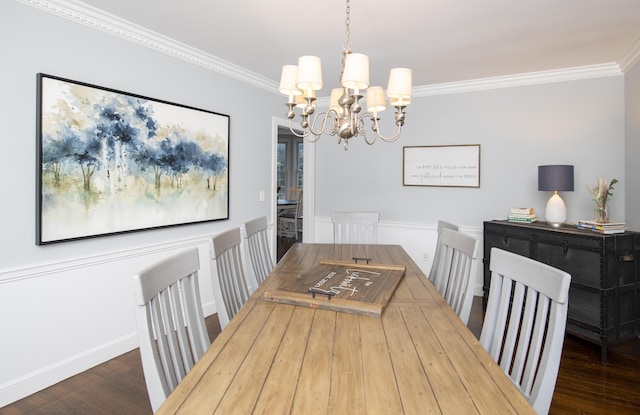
(70, 264)
(106, 269)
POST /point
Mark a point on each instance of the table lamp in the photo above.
(555, 178)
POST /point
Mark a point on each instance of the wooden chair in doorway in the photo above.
(290, 221)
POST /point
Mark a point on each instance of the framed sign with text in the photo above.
(449, 166)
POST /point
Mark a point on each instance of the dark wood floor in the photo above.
(584, 385)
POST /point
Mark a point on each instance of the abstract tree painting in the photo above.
(112, 162)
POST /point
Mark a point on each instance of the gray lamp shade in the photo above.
(558, 177)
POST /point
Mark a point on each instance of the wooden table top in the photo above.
(417, 358)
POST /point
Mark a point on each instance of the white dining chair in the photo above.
(525, 321)
(436, 255)
(457, 267)
(258, 244)
(355, 227)
(232, 280)
(171, 326)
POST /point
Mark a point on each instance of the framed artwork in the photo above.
(450, 166)
(110, 162)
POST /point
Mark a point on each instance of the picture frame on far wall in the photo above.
(445, 165)
(111, 162)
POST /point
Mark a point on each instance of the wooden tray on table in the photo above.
(341, 286)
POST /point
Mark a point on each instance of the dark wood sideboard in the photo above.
(604, 297)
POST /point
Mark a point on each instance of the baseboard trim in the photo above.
(35, 381)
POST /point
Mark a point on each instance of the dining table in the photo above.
(416, 357)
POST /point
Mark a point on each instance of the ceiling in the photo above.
(442, 41)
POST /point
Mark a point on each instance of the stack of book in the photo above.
(518, 214)
(604, 228)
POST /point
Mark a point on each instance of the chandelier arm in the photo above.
(312, 135)
(305, 135)
(376, 129)
(359, 126)
(324, 116)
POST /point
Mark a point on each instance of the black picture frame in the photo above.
(112, 162)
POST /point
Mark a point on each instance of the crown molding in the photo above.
(631, 57)
(79, 12)
(100, 20)
(525, 79)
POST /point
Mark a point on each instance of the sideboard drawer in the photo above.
(584, 264)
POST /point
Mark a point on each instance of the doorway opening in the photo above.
(290, 186)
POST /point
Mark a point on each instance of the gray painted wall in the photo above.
(34, 41)
(66, 307)
(578, 122)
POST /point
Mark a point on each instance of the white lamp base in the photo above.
(556, 212)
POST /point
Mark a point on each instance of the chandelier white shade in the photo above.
(356, 71)
(399, 87)
(288, 80)
(309, 73)
(345, 116)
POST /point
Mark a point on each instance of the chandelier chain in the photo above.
(346, 47)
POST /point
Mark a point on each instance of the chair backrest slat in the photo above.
(524, 324)
(226, 252)
(457, 265)
(258, 244)
(171, 326)
(355, 227)
(436, 255)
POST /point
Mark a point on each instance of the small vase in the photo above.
(601, 212)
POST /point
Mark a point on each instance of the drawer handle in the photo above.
(565, 247)
(626, 258)
(505, 238)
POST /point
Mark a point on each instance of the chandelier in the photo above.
(344, 118)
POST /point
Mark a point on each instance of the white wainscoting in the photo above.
(418, 239)
(62, 318)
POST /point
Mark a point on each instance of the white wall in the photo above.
(578, 122)
(66, 307)
(632, 150)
